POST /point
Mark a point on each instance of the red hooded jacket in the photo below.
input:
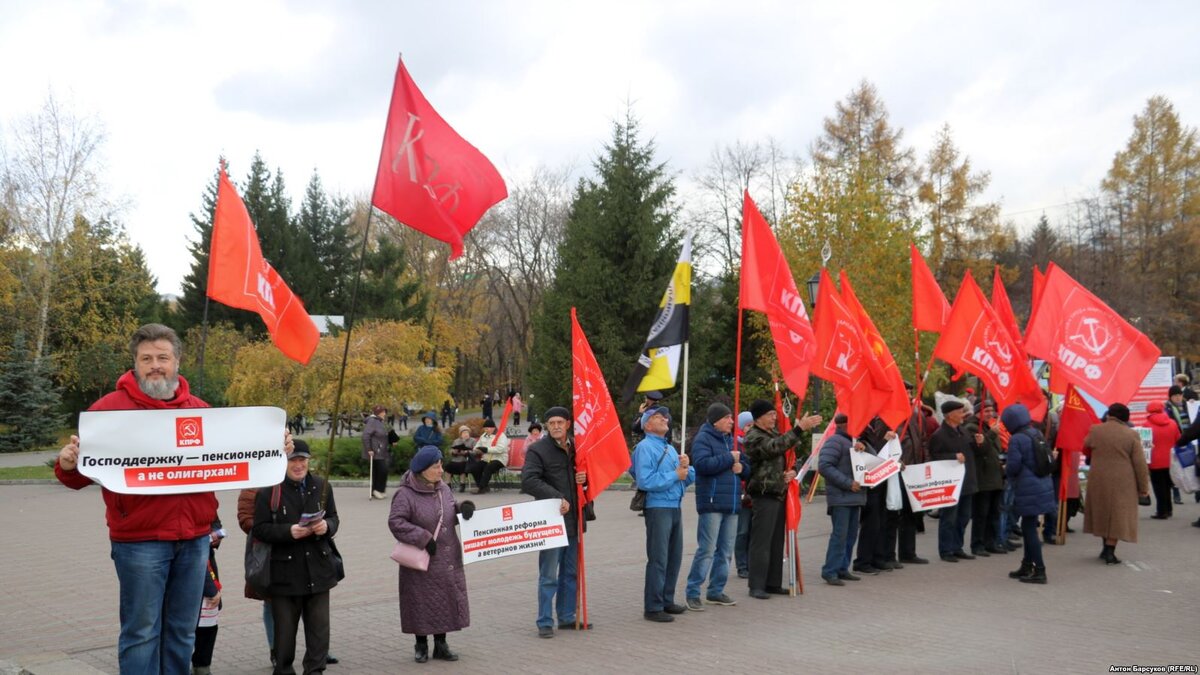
(148, 517)
(1166, 435)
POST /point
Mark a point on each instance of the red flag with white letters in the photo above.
(600, 447)
(429, 177)
(239, 276)
(845, 358)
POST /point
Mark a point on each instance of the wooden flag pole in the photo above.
(581, 615)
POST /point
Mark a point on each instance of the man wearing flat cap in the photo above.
(769, 477)
(550, 473)
(951, 441)
(651, 400)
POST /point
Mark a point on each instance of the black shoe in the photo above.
(545, 632)
(889, 565)
(1069, 530)
(332, 660)
(674, 609)
(834, 581)
(915, 560)
(1021, 572)
(658, 617)
(963, 555)
(421, 653)
(846, 576)
(1049, 540)
(743, 574)
(949, 557)
(759, 595)
(1012, 546)
(866, 569)
(441, 650)
(1037, 576)
(776, 590)
(1196, 523)
(980, 553)
(1110, 557)
(570, 625)
(996, 549)
(1160, 516)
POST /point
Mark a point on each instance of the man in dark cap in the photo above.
(951, 441)
(550, 473)
(769, 476)
(650, 401)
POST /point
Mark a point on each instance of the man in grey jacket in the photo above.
(844, 498)
(377, 450)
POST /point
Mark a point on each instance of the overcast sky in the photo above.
(1040, 94)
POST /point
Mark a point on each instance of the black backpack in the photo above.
(1041, 456)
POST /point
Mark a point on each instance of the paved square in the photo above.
(59, 601)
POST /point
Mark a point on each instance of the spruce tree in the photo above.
(386, 292)
(613, 265)
(325, 251)
(29, 415)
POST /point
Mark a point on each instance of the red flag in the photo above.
(429, 177)
(767, 286)
(1003, 307)
(930, 309)
(975, 340)
(1076, 419)
(600, 448)
(894, 404)
(238, 276)
(844, 358)
(504, 417)
(1039, 281)
(1088, 343)
(792, 508)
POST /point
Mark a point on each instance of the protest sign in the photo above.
(1146, 434)
(173, 451)
(525, 527)
(886, 465)
(933, 484)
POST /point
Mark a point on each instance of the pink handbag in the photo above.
(414, 557)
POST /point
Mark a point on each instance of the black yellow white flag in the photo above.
(658, 364)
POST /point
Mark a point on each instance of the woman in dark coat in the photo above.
(1033, 495)
(433, 602)
(428, 433)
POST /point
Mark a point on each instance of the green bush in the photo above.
(348, 461)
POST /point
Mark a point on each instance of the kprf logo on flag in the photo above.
(189, 432)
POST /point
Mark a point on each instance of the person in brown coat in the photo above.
(1117, 478)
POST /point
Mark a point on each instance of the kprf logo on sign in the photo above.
(928, 472)
(189, 432)
(506, 513)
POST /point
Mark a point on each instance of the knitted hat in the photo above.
(952, 405)
(425, 458)
(745, 419)
(651, 412)
(717, 412)
(488, 423)
(1119, 411)
(1175, 390)
(557, 411)
(840, 419)
(760, 407)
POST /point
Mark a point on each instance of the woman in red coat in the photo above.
(1166, 435)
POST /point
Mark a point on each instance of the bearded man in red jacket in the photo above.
(159, 542)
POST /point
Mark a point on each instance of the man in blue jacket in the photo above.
(719, 472)
(663, 474)
(844, 498)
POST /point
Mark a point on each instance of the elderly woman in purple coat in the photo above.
(433, 602)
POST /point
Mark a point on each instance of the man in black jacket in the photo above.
(303, 566)
(951, 441)
(549, 473)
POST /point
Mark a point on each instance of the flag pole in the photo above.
(581, 616)
(737, 371)
(683, 423)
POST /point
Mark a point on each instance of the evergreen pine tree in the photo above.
(325, 251)
(384, 292)
(29, 416)
(614, 262)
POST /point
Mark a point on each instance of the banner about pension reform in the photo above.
(524, 527)
(886, 465)
(933, 485)
(174, 451)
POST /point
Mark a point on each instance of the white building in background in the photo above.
(323, 322)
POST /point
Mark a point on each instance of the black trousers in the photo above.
(910, 522)
(985, 521)
(869, 524)
(288, 610)
(380, 475)
(484, 471)
(206, 639)
(889, 528)
(766, 543)
(1160, 482)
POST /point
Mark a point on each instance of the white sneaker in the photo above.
(378, 495)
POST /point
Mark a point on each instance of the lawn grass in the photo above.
(26, 472)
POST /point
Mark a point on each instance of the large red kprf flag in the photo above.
(600, 447)
(894, 404)
(1086, 342)
(429, 177)
(1003, 306)
(844, 358)
(767, 286)
(930, 309)
(975, 340)
(239, 276)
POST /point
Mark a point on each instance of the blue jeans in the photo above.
(664, 554)
(952, 524)
(741, 546)
(162, 583)
(1033, 545)
(557, 582)
(715, 533)
(844, 532)
(1006, 516)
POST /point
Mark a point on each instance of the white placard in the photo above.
(933, 484)
(174, 451)
(887, 464)
(524, 527)
(1147, 436)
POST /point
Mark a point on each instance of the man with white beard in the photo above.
(159, 542)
